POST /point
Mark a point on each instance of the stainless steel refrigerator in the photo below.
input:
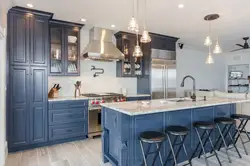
(163, 74)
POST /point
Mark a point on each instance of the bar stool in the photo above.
(227, 124)
(151, 137)
(181, 133)
(241, 129)
(208, 128)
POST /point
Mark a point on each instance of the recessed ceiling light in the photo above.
(30, 5)
(181, 6)
(113, 26)
(83, 20)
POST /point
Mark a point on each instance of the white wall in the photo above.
(208, 76)
(4, 6)
(108, 82)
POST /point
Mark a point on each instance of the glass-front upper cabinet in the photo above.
(56, 50)
(64, 48)
(72, 61)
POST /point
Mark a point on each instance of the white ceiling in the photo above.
(163, 16)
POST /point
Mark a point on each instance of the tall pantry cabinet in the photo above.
(28, 50)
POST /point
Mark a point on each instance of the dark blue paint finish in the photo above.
(120, 143)
(138, 98)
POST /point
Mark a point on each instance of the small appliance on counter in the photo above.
(78, 88)
(54, 91)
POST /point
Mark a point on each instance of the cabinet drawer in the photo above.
(68, 131)
(68, 116)
(68, 104)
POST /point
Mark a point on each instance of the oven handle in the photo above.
(95, 108)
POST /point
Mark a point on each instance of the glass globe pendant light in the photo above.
(145, 35)
(217, 48)
(208, 41)
(210, 59)
(133, 25)
(137, 51)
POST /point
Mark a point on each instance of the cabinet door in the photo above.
(56, 50)
(18, 115)
(72, 59)
(39, 41)
(38, 105)
(19, 39)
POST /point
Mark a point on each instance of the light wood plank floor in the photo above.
(88, 153)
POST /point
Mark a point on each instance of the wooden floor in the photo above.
(88, 153)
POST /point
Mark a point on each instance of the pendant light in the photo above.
(210, 59)
(145, 35)
(133, 25)
(217, 48)
(208, 41)
(137, 51)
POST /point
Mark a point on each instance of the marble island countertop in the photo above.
(156, 106)
(67, 98)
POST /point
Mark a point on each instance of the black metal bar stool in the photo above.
(152, 137)
(227, 124)
(181, 133)
(208, 128)
(241, 129)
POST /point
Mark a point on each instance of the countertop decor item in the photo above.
(78, 88)
(53, 93)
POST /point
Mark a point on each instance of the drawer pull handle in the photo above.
(68, 130)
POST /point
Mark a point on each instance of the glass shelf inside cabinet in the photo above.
(72, 59)
(127, 67)
(56, 51)
(138, 66)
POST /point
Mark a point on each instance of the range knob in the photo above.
(103, 101)
(93, 102)
(97, 102)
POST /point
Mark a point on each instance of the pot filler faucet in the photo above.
(193, 97)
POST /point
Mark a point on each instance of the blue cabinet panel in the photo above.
(38, 110)
(138, 98)
(68, 104)
(19, 39)
(68, 116)
(18, 119)
(39, 41)
(64, 131)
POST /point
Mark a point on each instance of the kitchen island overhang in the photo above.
(122, 124)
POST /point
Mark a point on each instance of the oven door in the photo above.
(95, 122)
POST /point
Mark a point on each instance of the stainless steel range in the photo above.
(94, 107)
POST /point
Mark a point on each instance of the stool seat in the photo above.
(177, 130)
(224, 120)
(152, 136)
(240, 116)
(204, 125)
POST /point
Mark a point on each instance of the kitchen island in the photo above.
(122, 124)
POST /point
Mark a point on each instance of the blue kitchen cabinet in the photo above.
(68, 120)
(19, 107)
(38, 103)
(138, 98)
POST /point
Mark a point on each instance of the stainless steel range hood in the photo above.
(100, 46)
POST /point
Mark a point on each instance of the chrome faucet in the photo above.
(193, 97)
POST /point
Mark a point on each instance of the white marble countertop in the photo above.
(68, 98)
(138, 95)
(156, 106)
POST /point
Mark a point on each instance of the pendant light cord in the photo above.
(145, 12)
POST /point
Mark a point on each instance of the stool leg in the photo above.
(158, 147)
(143, 154)
(224, 136)
(157, 152)
(169, 154)
(219, 138)
(216, 155)
(204, 153)
(185, 150)
(232, 140)
(197, 147)
(225, 144)
(205, 142)
(172, 149)
(241, 139)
